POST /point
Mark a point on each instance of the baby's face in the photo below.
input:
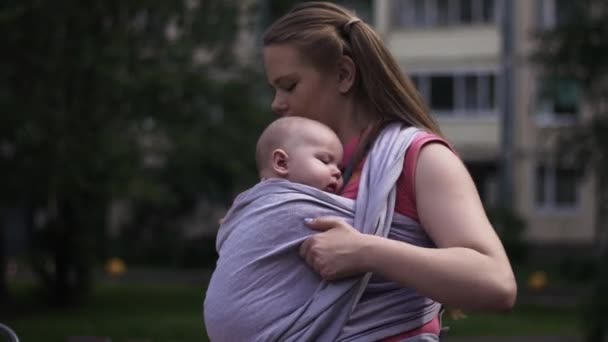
(315, 161)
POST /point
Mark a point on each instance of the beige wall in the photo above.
(458, 45)
(474, 139)
(479, 47)
(454, 49)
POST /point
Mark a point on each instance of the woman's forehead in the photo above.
(281, 54)
(284, 59)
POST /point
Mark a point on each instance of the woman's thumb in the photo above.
(320, 223)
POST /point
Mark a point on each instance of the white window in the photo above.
(436, 13)
(557, 101)
(556, 187)
(458, 94)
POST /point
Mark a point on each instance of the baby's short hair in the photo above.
(277, 133)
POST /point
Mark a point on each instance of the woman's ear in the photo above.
(346, 74)
(279, 162)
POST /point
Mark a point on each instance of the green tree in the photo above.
(91, 92)
(577, 48)
(3, 263)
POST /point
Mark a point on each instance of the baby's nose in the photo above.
(335, 172)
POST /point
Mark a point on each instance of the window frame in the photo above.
(544, 114)
(423, 85)
(550, 204)
(406, 15)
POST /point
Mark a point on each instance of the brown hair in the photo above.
(323, 32)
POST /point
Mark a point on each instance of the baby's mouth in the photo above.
(333, 187)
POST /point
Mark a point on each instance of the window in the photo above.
(438, 13)
(443, 13)
(420, 13)
(467, 93)
(466, 11)
(442, 93)
(488, 10)
(556, 187)
(470, 87)
(558, 100)
(552, 13)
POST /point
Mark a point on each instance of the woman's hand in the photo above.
(336, 252)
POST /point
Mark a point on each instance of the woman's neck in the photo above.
(353, 124)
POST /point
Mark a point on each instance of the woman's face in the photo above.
(300, 89)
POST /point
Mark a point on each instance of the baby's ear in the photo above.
(279, 162)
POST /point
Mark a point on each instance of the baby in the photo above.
(260, 283)
(302, 151)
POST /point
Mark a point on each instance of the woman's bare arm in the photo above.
(469, 269)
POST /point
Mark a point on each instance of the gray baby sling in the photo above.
(262, 290)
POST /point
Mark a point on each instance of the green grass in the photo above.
(174, 314)
(123, 313)
(521, 321)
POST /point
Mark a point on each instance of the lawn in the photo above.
(527, 320)
(174, 314)
(123, 313)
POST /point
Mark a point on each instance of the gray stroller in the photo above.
(8, 332)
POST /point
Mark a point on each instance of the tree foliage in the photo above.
(118, 99)
(577, 48)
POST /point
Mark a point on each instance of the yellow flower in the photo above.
(115, 267)
(538, 281)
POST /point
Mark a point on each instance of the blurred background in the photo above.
(127, 128)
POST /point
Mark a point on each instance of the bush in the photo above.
(510, 227)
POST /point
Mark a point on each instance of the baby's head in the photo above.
(302, 151)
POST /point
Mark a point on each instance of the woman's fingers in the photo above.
(309, 251)
(305, 251)
(322, 223)
(332, 252)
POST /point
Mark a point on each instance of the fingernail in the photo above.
(308, 220)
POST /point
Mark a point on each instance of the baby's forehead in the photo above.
(315, 135)
(322, 141)
(297, 131)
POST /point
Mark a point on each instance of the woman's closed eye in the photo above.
(291, 87)
(285, 86)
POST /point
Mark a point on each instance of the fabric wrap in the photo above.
(261, 289)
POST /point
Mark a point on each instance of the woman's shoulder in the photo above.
(421, 140)
(406, 195)
(423, 137)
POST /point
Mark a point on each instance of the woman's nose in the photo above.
(278, 106)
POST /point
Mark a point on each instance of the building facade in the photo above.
(454, 51)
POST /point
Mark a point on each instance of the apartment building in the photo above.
(454, 51)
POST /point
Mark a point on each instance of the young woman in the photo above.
(326, 64)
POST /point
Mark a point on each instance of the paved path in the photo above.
(514, 339)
